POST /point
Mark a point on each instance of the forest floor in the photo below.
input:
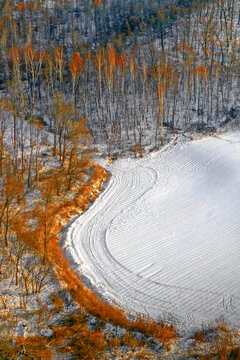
(162, 240)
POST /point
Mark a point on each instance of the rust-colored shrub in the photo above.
(97, 2)
(80, 341)
(200, 337)
(35, 347)
(113, 342)
(129, 340)
(20, 7)
(58, 302)
(76, 64)
(162, 332)
(88, 300)
(7, 351)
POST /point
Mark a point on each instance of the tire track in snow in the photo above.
(163, 239)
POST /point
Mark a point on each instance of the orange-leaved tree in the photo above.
(109, 74)
(201, 74)
(97, 2)
(64, 112)
(20, 7)
(76, 67)
(45, 214)
(12, 202)
(77, 154)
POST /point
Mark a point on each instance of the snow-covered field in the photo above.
(163, 239)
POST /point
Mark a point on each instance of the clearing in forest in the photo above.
(163, 239)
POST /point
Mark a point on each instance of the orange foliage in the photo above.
(200, 337)
(112, 56)
(129, 340)
(162, 71)
(183, 47)
(13, 187)
(79, 340)
(113, 342)
(223, 345)
(121, 60)
(20, 7)
(40, 55)
(5, 105)
(162, 332)
(58, 302)
(22, 232)
(35, 347)
(227, 342)
(88, 300)
(79, 130)
(13, 195)
(201, 70)
(97, 2)
(76, 64)
(15, 54)
(29, 53)
(36, 123)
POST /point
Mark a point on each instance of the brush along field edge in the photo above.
(87, 299)
(163, 238)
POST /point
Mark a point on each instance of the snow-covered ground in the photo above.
(163, 239)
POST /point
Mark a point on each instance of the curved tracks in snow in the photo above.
(164, 238)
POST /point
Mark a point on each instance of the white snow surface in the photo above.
(163, 239)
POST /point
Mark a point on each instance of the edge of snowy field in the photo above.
(66, 240)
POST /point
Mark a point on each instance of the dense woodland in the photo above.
(133, 89)
(113, 76)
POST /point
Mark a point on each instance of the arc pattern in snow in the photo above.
(164, 238)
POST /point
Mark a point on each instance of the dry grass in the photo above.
(87, 300)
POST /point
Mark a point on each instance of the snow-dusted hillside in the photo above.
(164, 238)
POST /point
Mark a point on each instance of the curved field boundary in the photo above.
(163, 239)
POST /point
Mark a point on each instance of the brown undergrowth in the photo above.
(74, 336)
(86, 298)
(78, 339)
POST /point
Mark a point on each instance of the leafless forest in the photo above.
(114, 77)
